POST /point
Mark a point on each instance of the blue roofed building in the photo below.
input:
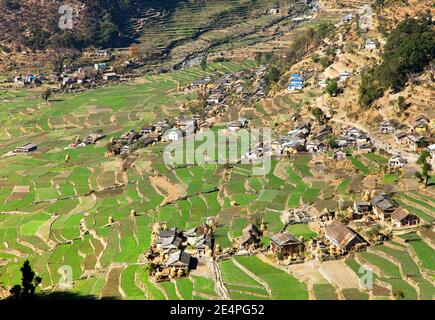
(296, 82)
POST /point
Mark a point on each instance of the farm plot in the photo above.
(283, 286)
(239, 284)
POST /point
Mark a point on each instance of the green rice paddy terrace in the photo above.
(56, 212)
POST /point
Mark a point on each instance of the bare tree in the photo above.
(63, 58)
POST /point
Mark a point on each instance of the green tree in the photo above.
(108, 30)
(29, 282)
(332, 88)
(401, 104)
(46, 94)
(332, 141)
(272, 76)
(319, 114)
(204, 63)
(369, 89)
(408, 50)
(426, 168)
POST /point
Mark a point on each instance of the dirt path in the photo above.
(173, 190)
(219, 281)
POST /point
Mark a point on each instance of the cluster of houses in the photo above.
(166, 130)
(234, 83)
(173, 252)
(93, 138)
(336, 238)
(416, 140)
(303, 139)
(30, 79)
(99, 73)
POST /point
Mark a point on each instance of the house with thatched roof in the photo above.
(402, 217)
(342, 236)
(169, 243)
(203, 243)
(384, 206)
(179, 259)
(286, 244)
(250, 237)
(196, 232)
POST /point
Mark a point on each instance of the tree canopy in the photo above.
(409, 49)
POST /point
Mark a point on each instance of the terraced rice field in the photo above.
(282, 285)
(78, 212)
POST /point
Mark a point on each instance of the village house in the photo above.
(339, 155)
(27, 148)
(215, 98)
(243, 122)
(296, 82)
(388, 126)
(93, 138)
(343, 237)
(234, 126)
(286, 244)
(421, 124)
(187, 124)
(196, 232)
(100, 66)
(163, 125)
(384, 206)
(401, 217)
(277, 145)
(324, 132)
(370, 44)
(180, 260)
(416, 142)
(365, 148)
(301, 131)
(250, 237)
(294, 145)
(346, 141)
(148, 129)
(110, 76)
(130, 137)
(169, 243)
(174, 135)
(199, 84)
(203, 243)
(149, 140)
(347, 18)
(400, 138)
(396, 162)
(343, 76)
(361, 208)
(125, 149)
(169, 240)
(362, 139)
(315, 146)
(103, 53)
(274, 10)
(353, 132)
(325, 216)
